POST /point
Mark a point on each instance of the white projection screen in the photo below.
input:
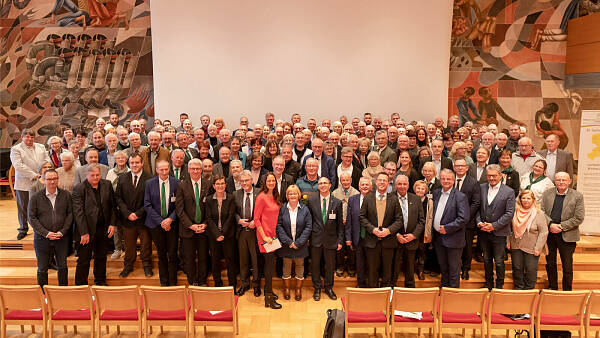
(320, 58)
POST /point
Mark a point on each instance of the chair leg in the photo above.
(464, 332)
(507, 333)
(118, 330)
(65, 328)
(161, 329)
(107, 330)
(22, 328)
(419, 332)
(204, 330)
(3, 331)
(32, 328)
(75, 329)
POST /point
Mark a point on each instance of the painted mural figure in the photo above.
(464, 103)
(78, 14)
(489, 108)
(547, 121)
(469, 18)
(556, 34)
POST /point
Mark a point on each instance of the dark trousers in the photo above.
(449, 263)
(404, 258)
(467, 254)
(318, 254)
(269, 271)
(248, 247)
(524, 267)
(166, 247)
(131, 235)
(44, 249)
(492, 247)
(566, 250)
(345, 259)
(98, 246)
(420, 255)
(361, 264)
(22, 204)
(194, 251)
(380, 257)
(219, 250)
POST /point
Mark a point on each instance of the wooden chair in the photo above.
(70, 305)
(10, 181)
(165, 306)
(117, 305)
(206, 299)
(561, 310)
(462, 308)
(503, 302)
(592, 309)
(367, 308)
(22, 305)
(415, 300)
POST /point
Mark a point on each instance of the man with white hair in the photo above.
(523, 160)
(225, 139)
(107, 156)
(557, 159)
(345, 258)
(91, 157)
(135, 144)
(154, 153)
(123, 136)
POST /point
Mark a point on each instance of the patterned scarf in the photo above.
(523, 219)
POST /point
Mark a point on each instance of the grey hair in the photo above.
(131, 135)
(493, 167)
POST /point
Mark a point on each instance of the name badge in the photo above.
(331, 216)
(172, 199)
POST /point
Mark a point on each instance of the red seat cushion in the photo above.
(427, 317)
(498, 318)
(24, 315)
(72, 315)
(594, 322)
(206, 316)
(547, 319)
(455, 317)
(364, 317)
(166, 315)
(120, 315)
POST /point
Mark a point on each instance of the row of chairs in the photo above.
(472, 309)
(98, 306)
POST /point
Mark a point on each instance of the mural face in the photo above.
(508, 65)
(64, 63)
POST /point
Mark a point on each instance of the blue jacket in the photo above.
(502, 209)
(303, 231)
(152, 202)
(454, 218)
(353, 228)
(103, 157)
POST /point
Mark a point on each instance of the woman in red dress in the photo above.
(266, 211)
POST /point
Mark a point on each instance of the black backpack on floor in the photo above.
(334, 327)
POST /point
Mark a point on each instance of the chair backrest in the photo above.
(116, 298)
(415, 300)
(27, 297)
(11, 175)
(513, 301)
(593, 304)
(212, 298)
(164, 298)
(368, 300)
(463, 300)
(563, 302)
(68, 298)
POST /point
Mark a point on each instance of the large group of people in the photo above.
(372, 198)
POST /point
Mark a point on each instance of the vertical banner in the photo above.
(588, 178)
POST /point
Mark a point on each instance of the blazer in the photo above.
(472, 189)
(502, 209)
(330, 234)
(228, 224)
(81, 173)
(193, 153)
(572, 214)
(85, 207)
(185, 205)
(353, 228)
(328, 168)
(130, 199)
(564, 160)
(59, 160)
(513, 181)
(286, 181)
(293, 169)
(238, 198)
(163, 155)
(392, 220)
(303, 232)
(534, 239)
(152, 202)
(454, 218)
(44, 218)
(183, 172)
(356, 175)
(473, 173)
(103, 157)
(446, 163)
(27, 164)
(387, 155)
(416, 220)
(263, 172)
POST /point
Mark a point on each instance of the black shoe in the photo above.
(271, 302)
(125, 273)
(101, 284)
(317, 295)
(275, 295)
(21, 235)
(479, 258)
(434, 274)
(240, 292)
(351, 274)
(256, 292)
(465, 275)
(421, 275)
(330, 294)
(148, 272)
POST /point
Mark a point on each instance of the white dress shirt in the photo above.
(492, 192)
(293, 217)
(52, 197)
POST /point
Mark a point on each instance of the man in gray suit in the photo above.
(565, 212)
(91, 157)
(494, 220)
(386, 154)
(557, 159)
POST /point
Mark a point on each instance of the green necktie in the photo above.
(198, 212)
(163, 201)
(187, 155)
(324, 210)
(177, 173)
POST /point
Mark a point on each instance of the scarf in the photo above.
(532, 181)
(522, 220)
(373, 171)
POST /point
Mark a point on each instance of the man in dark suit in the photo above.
(440, 161)
(292, 167)
(161, 219)
(95, 212)
(450, 214)
(154, 153)
(222, 167)
(233, 181)
(355, 234)
(178, 166)
(494, 222)
(131, 187)
(557, 160)
(326, 163)
(470, 187)
(413, 224)
(477, 170)
(183, 141)
(283, 180)
(381, 217)
(326, 237)
(246, 233)
(50, 214)
(192, 223)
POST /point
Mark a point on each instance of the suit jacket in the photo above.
(85, 208)
(140, 150)
(193, 154)
(286, 181)
(387, 155)
(472, 189)
(293, 169)
(353, 228)
(392, 220)
(303, 232)
(356, 175)
(416, 220)
(103, 157)
(228, 223)
(183, 172)
(185, 205)
(446, 163)
(27, 164)
(328, 168)
(494, 154)
(564, 160)
(473, 173)
(330, 234)
(130, 199)
(152, 202)
(502, 209)
(263, 172)
(230, 185)
(44, 218)
(572, 214)
(163, 155)
(454, 218)
(238, 198)
(81, 173)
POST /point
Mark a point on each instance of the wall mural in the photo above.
(508, 65)
(67, 62)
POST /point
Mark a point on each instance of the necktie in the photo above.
(163, 201)
(135, 178)
(198, 212)
(324, 211)
(177, 173)
(404, 211)
(55, 159)
(458, 184)
(187, 155)
(247, 207)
